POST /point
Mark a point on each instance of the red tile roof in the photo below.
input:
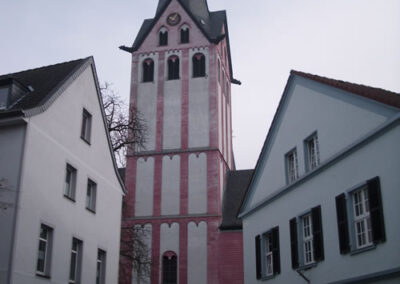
(380, 95)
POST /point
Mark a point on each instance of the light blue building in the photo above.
(323, 203)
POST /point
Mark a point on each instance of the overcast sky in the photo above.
(352, 40)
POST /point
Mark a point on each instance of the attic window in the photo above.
(163, 37)
(4, 91)
(184, 34)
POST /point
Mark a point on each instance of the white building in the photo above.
(323, 203)
(63, 225)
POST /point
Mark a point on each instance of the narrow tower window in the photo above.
(163, 36)
(173, 68)
(148, 70)
(184, 34)
(170, 268)
(199, 65)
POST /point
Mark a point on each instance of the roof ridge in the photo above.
(46, 66)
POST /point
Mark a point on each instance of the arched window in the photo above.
(170, 268)
(184, 34)
(173, 67)
(199, 65)
(148, 70)
(163, 37)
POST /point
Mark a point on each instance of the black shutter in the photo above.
(376, 210)
(293, 243)
(275, 251)
(343, 228)
(258, 257)
(318, 236)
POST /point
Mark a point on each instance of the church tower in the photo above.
(181, 84)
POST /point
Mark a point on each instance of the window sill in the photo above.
(42, 275)
(364, 249)
(269, 277)
(86, 141)
(69, 198)
(307, 266)
(91, 210)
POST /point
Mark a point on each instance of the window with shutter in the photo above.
(258, 256)
(268, 254)
(293, 243)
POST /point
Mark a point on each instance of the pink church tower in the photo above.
(181, 83)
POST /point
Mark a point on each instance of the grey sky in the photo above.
(351, 40)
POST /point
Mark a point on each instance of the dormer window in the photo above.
(199, 65)
(4, 91)
(148, 70)
(173, 67)
(163, 37)
(184, 34)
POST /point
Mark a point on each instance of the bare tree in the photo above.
(125, 124)
(135, 254)
(4, 187)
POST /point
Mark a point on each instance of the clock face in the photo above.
(173, 19)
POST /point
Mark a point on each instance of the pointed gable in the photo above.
(339, 113)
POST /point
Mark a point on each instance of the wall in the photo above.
(11, 153)
(377, 158)
(53, 140)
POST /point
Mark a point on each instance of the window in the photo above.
(4, 97)
(76, 262)
(360, 217)
(199, 65)
(148, 70)
(86, 126)
(292, 168)
(184, 34)
(101, 267)
(163, 37)
(170, 261)
(307, 247)
(312, 152)
(173, 67)
(70, 182)
(267, 254)
(44, 251)
(91, 195)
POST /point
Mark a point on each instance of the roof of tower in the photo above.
(210, 24)
(235, 190)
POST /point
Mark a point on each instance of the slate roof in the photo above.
(210, 24)
(236, 187)
(41, 83)
(380, 95)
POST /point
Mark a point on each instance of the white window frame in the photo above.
(47, 240)
(292, 166)
(101, 267)
(91, 195)
(70, 182)
(86, 127)
(268, 261)
(76, 253)
(312, 152)
(308, 239)
(361, 218)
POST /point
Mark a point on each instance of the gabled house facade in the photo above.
(322, 205)
(181, 83)
(63, 194)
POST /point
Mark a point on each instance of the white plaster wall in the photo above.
(378, 158)
(338, 117)
(169, 241)
(170, 192)
(172, 114)
(144, 187)
(197, 184)
(147, 100)
(11, 151)
(199, 126)
(197, 253)
(146, 237)
(52, 140)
